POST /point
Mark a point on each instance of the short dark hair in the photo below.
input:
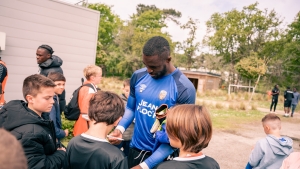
(126, 82)
(106, 107)
(157, 45)
(56, 76)
(47, 48)
(33, 84)
(191, 124)
(12, 155)
(288, 87)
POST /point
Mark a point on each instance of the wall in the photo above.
(70, 30)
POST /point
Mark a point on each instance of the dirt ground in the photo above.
(231, 148)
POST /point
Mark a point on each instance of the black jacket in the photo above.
(35, 133)
(53, 64)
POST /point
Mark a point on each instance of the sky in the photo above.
(199, 9)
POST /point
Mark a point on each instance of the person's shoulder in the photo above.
(168, 165)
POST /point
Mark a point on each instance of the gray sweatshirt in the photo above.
(296, 98)
(270, 152)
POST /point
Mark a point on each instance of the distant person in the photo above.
(31, 126)
(59, 80)
(12, 154)
(269, 152)
(127, 135)
(288, 97)
(189, 128)
(160, 82)
(50, 63)
(295, 100)
(275, 94)
(93, 75)
(91, 150)
(3, 79)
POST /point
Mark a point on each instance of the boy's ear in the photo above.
(29, 98)
(117, 121)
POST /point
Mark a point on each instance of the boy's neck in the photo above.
(37, 112)
(183, 153)
(275, 133)
(99, 130)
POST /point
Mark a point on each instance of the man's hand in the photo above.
(116, 133)
(61, 148)
(137, 167)
(67, 132)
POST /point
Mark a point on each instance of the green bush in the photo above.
(67, 124)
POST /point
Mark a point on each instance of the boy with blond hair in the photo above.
(91, 149)
(59, 81)
(269, 152)
(29, 123)
(93, 75)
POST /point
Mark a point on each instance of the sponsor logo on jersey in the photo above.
(147, 108)
(142, 87)
(162, 94)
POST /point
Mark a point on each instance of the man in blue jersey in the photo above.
(159, 83)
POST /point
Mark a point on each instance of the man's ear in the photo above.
(169, 59)
(48, 55)
(117, 121)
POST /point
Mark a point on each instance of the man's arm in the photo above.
(256, 155)
(162, 152)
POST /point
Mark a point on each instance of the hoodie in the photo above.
(35, 133)
(270, 152)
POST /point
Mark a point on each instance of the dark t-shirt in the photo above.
(202, 162)
(275, 96)
(288, 95)
(88, 152)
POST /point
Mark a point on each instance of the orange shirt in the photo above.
(85, 94)
(2, 100)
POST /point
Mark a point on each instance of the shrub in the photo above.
(242, 106)
(219, 106)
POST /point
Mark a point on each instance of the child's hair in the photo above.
(126, 82)
(106, 107)
(272, 119)
(56, 76)
(91, 70)
(33, 84)
(191, 125)
(12, 154)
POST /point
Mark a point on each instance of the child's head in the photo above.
(189, 127)
(38, 91)
(93, 73)
(59, 80)
(106, 107)
(271, 122)
(12, 154)
(126, 87)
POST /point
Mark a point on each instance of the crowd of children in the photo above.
(186, 128)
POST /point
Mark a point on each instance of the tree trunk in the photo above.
(254, 88)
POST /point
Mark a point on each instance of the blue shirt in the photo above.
(146, 95)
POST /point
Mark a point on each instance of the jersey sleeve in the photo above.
(186, 89)
(162, 152)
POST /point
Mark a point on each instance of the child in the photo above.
(59, 80)
(91, 149)
(189, 128)
(93, 75)
(127, 135)
(32, 127)
(272, 150)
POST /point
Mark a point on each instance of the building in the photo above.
(72, 32)
(203, 80)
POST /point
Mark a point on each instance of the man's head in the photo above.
(288, 88)
(106, 107)
(294, 89)
(189, 127)
(38, 91)
(43, 53)
(126, 87)
(12, 154)
(59, 80)
(271, 122)
(276, 86)
(156, 56)
(93, 73)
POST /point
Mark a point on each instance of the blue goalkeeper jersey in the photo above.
(146, 95)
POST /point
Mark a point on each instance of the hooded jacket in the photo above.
(35, 133)
(270, 152)
(127, 135)
(53, 64)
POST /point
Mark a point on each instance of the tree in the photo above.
(189, 46)
(252, 67)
